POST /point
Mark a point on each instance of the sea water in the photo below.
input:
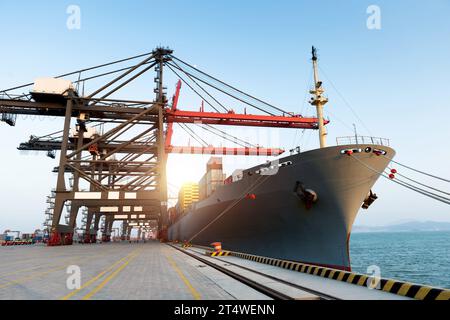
(419, 257)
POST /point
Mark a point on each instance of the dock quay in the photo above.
(171, 271)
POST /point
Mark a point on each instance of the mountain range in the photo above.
(405, 227)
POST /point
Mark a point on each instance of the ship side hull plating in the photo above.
(276, 222)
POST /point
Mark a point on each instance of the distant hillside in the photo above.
(406, 227)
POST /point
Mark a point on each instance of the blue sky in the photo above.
(396, 79)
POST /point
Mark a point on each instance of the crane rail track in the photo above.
(270, 292)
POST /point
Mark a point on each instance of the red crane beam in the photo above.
(174, 108)
(236, 119)
(173, 115)
(226, 151)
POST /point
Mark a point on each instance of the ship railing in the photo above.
(362, 140)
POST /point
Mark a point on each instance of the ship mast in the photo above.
(318, 100)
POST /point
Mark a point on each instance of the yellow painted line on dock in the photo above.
(101, 274)
(30, 261)
(191, 288)
(110, 277)
(35, 267)
(35, 275)
(20, 262)
(21, 270)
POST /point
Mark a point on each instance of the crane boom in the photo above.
(236, 119)
(174, 108)
(259, 151)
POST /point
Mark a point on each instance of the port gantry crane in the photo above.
(125, 166)
(5, 233)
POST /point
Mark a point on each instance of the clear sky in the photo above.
(396, 79)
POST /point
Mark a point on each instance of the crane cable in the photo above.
(227, 93)
(227, 136)
(184, 81)
(246, 94)
(246, 142)
(308, 80)
(109, 72)
(407, 185)
(82, 70)
(222, 136)
(193, 134)
(223, 107)
(347, 104)
(53, 137)
(77, 81)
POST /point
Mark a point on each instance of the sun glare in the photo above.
(183, 168)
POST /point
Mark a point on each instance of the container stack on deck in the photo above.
(213, 177)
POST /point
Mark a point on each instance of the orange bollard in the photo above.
(217, 246)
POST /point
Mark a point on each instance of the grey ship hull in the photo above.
(276, 223)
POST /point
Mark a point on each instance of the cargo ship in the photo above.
(299, 208)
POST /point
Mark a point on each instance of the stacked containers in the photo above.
(213, 177)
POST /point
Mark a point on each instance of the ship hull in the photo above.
(264, 214)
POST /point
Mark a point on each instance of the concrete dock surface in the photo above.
(112, 271)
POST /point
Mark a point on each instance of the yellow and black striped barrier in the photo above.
(187, 245)
(217, 253)
(402, 288)
(411, 290)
